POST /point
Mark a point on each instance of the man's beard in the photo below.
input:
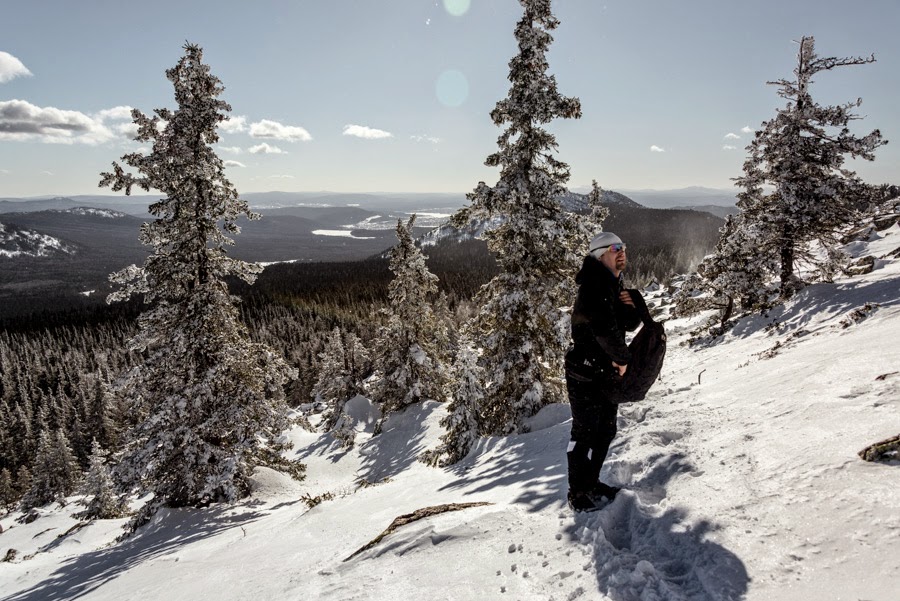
(620, 264)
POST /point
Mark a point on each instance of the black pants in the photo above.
(593, 429)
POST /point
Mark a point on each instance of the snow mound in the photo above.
(364, 413)
(549, 416)
(268, 484)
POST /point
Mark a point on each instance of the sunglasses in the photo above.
(616, 248)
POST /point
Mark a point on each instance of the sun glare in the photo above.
(457, 8)
(452, 88)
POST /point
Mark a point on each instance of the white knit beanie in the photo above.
(602, 240)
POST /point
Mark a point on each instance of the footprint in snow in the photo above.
(640, 553)
(664, 438)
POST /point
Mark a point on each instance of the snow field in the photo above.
(744, 485)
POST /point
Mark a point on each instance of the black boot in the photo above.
(582, 502)
(602, 493)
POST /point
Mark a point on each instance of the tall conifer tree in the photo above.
(521, 326)
(210, 402)
(796, 189)
(409, 347)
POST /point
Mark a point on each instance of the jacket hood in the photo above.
(594, 270)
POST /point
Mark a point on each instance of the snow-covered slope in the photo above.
(104, 213)
(741, 470)
(22, 242)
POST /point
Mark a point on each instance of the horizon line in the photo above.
(372, 192)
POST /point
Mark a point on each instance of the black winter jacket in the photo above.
(600, 320)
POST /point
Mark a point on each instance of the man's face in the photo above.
(614, 259)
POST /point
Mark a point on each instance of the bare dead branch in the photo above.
(412, 517)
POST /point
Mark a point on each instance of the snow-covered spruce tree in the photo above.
(796, 189)
(735, 275)
(23, 481)
(342, 369)
(359, 363)
(101, 501)
(331, 384)
(462, 419)
(9, 496)
(522, 327)
(100, 422)
(18, 439)
(598, 212)
(407, 351)
(210, 402)
(55, 470)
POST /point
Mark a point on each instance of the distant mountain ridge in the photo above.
(623, 219)
(683, 197)
(137, 204)
(717, 210)
(694, 196)
(104, 238)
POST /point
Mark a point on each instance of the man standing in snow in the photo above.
(595, 364)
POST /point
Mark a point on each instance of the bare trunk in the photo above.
(788, 284)
(727, 312)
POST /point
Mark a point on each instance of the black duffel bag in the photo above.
(648, 350)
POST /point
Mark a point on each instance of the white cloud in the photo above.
(234, 164)
(265, 149)
(746, 129)
(116, 113)
(281, 177)
(45, 172)
(11, 68)
(656, 148)
(367, 133)
(277, 131)
(122, 121)
(126, 130)
(234, 125)
(729, 147)
(231, 149)
(20, 120)
(424, 138)
(5, 171)
(732, 136)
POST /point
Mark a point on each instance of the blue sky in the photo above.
(394, 95)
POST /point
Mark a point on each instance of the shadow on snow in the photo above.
(639, 550)
(169, 531)
(823, 300)
(399, 444)
(533, 463)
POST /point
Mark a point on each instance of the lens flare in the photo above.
(452, 88)
(457, 8)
